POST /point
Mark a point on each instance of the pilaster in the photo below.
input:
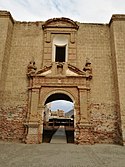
(34, 119)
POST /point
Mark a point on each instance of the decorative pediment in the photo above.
(44, 71)
(74, 70)
(60, 23)
(60, 69)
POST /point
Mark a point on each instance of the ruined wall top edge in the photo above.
(7, 14)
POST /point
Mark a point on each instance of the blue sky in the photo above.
(93, 11)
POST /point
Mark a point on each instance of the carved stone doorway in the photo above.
(59, 81)
(55, 120)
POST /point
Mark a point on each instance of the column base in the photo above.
(34, 135)
(123, 143)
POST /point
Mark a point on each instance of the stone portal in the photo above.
(73, 85)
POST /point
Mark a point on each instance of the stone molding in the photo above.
(6, 14)
(117, 17)
(51, 23)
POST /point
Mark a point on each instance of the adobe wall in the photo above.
(6, 29)
(102, 44)
(93, 42)
(117, 27)
(25, 41)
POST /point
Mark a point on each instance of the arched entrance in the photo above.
(64, 81)
(58, 126)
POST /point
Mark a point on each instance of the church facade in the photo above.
(61, 59)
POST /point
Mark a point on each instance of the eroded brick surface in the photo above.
(11, 123)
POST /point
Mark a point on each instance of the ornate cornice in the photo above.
(64, 23)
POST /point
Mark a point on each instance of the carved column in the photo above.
(40, 129)
(83, 104)
(34, 119)
(41, 111)
(76, 121)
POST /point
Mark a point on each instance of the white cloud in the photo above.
(78, 10)
(62, 105)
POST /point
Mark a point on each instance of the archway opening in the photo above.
(58, 126)
(58, 96)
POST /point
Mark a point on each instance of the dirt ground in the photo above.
(61, 155)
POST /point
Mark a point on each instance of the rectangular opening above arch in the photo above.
(60, 54)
